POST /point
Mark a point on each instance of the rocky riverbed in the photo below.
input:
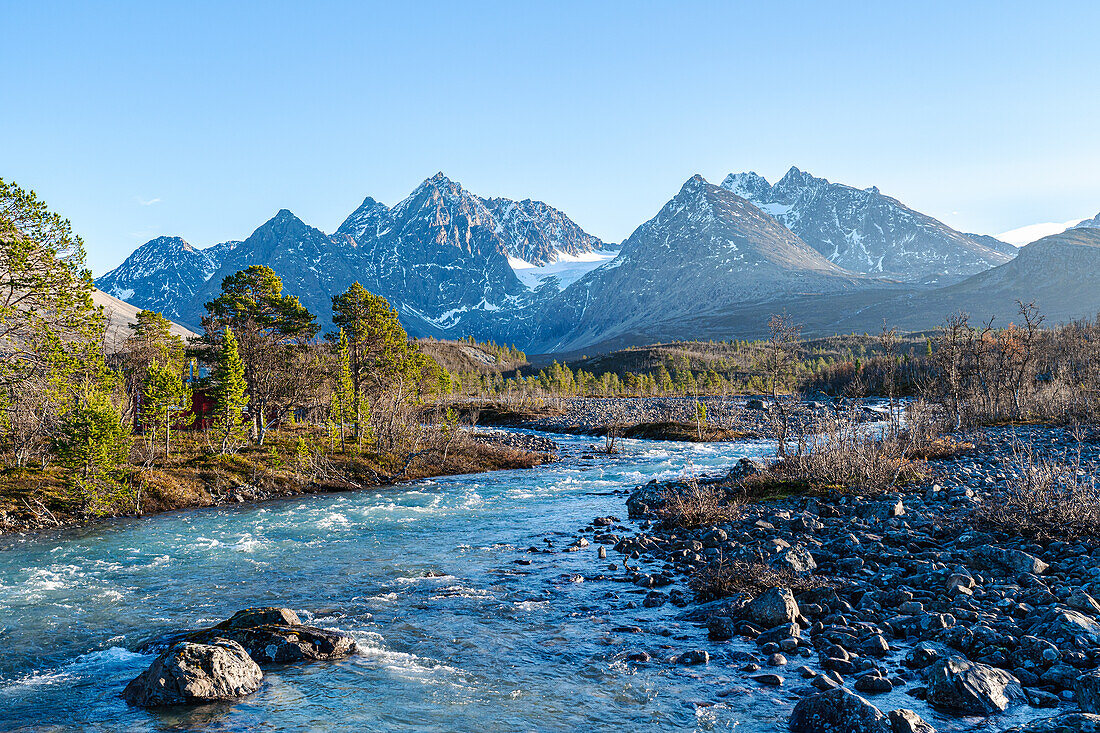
(904, 612)
(744, 416)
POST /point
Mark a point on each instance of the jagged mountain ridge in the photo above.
(441, 256)
(865, 231)
(706, 250)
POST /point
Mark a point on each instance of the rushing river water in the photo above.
(456, 635)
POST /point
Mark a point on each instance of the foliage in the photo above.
(272, 331)
(51, 333)
(229, 392)
(166, 401)
(93, 444)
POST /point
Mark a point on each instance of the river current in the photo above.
(456, 635)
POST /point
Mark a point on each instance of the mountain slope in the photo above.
(1060, 273)
(707, 249)
(867, 232)
(120, 315)
(537, 233)
(1093, 223)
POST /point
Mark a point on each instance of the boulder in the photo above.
(1064, 723)
(192, 673)
(277, 635)
(797, 559)
(774, 607)
(837, 711)
(1015, 562)
(959, 685)
(907, 721)
(1087, 689)
(1061, 625)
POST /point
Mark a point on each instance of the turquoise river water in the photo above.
(456, 636)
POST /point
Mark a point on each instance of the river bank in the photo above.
(923, 600)
(37, 500)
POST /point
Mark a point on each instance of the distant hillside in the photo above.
(121, 314)
(459, 357)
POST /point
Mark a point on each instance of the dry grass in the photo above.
(724, 578)
(693, 505)
(1046, 500)
(683, 431)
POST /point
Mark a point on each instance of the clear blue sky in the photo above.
(202, 119)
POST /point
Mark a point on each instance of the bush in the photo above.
(691, 505)
(723, 578)
(1046, 499)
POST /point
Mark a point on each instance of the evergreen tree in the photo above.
(166, 400)
(228, 390)
(346, 398)
(93, 445)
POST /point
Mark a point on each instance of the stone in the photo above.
(797, 559)
(1081, 601)
(907, 721)
(774, 607)
(189, 673)
(971, 688)
(1016, 562)
(277, 635)
(696, 656)
(1086, 688)
(1061, 625)
(771, 680)
(837, 711)
(873, 685)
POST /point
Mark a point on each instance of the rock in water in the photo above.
(970, 688)
(907, 721)
(278, 635)
(191, 673)
(774, 607)
(837, 711)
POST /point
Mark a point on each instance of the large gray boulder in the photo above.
(278, 635)
(907, 721)
(961, 686)
(1062, 625)
(1064, 723)
(774, 607)
(1014, 562)
(837, 711)
(191, 673)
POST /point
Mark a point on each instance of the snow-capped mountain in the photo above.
(865, 231)
(707, 249)
(162, 275)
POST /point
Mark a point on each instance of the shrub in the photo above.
(1046, 499)
(723, 578)
(691, 505)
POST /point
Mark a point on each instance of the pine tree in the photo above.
(166, 400)
(93, 444)
(228, 390)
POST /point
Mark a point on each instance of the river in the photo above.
(457, 636)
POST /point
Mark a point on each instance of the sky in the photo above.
(202, 119)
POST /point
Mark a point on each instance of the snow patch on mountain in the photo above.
(563, 267)
(1028, 234)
